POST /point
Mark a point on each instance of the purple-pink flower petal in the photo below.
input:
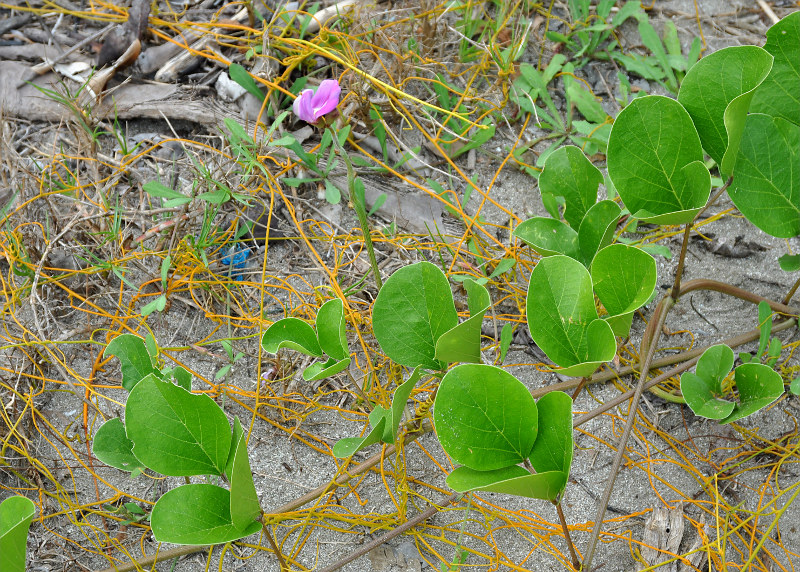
(302, 106)
(310, 106)
(327, 97)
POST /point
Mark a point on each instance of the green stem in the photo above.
(361, 211)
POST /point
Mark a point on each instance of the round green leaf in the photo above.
(513, 480)
(758, 385)
(779, 94)
(568, 173)
(655, 161)
(413, 310)
(112, 446)
(624, 278)
(174, 432)
(767, 184)
(16, 514)
(553, 448)
(548, 236)
(291, 333)
(197, 514)
(330, 329)
(562, 317)
(717, 92)
(485, 418)
(703, 390)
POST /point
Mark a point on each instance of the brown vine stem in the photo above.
(791, 292)
(275, 549)
(633, 410)
(685, 245)
(410, 523)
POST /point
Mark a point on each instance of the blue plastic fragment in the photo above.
(236, 260)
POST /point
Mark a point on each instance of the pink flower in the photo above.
(310, 106)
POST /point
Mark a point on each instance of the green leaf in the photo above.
(653, 43)
(291, 333)
(758, 385)
(322, 370)
(767, 184)
(502, 267)
(717, 92)
(562, 317)
(351, 445)
(506, 336)
(238, 431)
(477, 138)
(597, 229)
(568, 173)
(779, 94)
(553, 448)
(624, 278)
(182, 377)
(587, 103)
(330, 329)
(789, 262)
(196, 514)
(413, 310)
(174, 432)
(794, 387)
(484, 417)
(112, 446)
(548, 237)
(512, 480)
(399, 400)
(244, 79)
(174, 198)
(703, 390)
(463, 342)
(16, 514)
(156, 305)
(332, 193)
(655, 161)
(244, 506)
(133, 356)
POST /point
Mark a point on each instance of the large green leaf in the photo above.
(112, 446)
(767, 184)
(291, 333)
(132, 353)
(196, 514)
(779, 95)
(16, 513)
(548, 236)
(758, 385)
(330, 329)
(552, 450)
(174, 432)
(568, 173)
(413, 310)
(513, 480)
(484, 417)
(717, 92)
(624, 278)
(562, 317)
(244, 505)
(655, 161)
(463, 343)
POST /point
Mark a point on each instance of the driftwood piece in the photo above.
(662, 535)
(132, 100)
